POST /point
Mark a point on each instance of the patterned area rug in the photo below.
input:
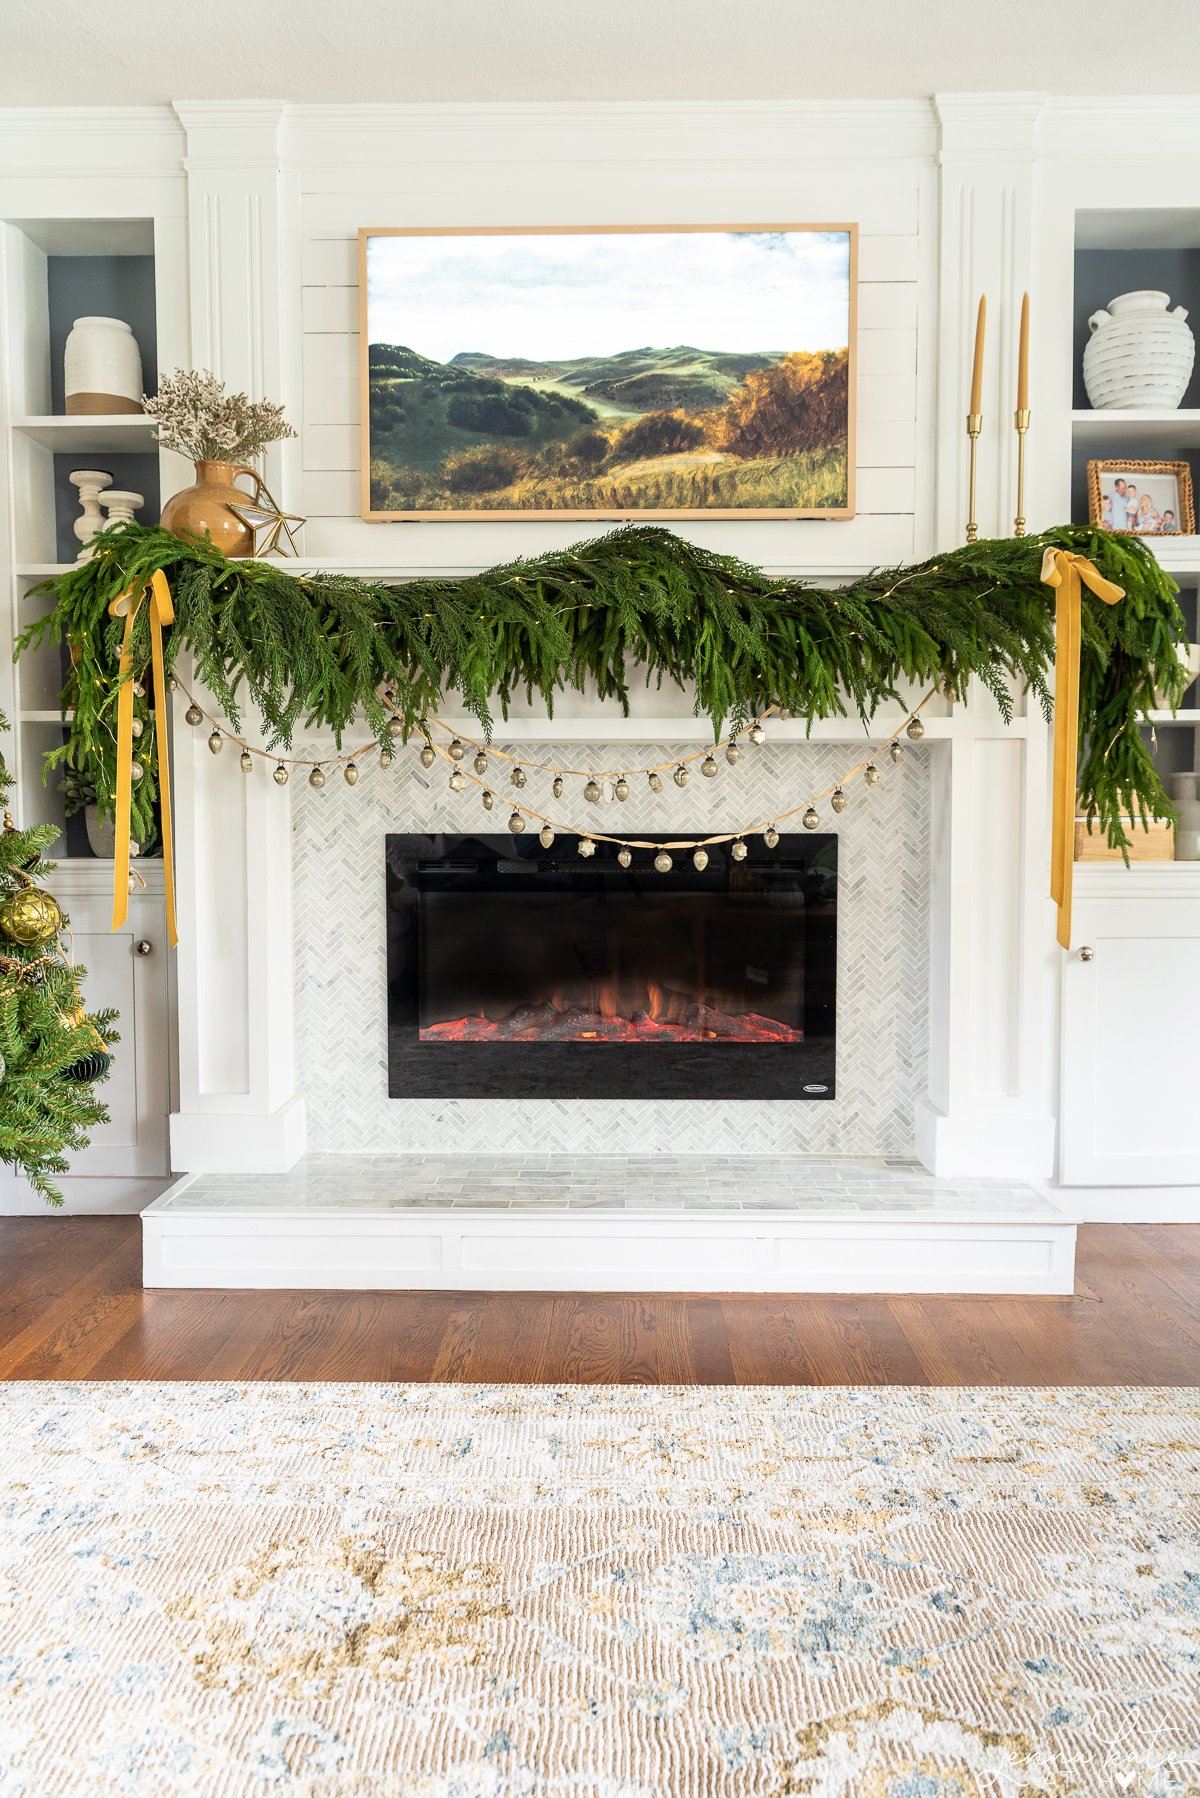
(598, 1592)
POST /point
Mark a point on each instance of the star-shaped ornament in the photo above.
(268, 523)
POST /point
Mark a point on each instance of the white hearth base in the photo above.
(605, 1224)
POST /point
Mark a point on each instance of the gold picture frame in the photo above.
(372, 483)
(1116, 471)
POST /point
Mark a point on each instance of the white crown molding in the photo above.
(986, 127)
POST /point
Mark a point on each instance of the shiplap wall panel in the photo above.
(527, 172)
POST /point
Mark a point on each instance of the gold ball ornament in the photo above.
(895, 751)
(246, 761)
(280, 776)
(350, 774)
(592, 792)
(663, 862)
(837, 800)
(732, 752)
(516, 823)
(700, 860)
(194, 715)
(557, 786)
(428, 752)
(621, 789)
(771, 837)
(625, 856)
(871, 775)
(396, 728)
(136, 770)
(317, 778)
(456, 751)
(214, 742)
(488, 800)
(811, 818)
(480, 763)
(546, 836)
(708, 767)
(30, 916)
(738, 850)
(136, 726)
(914, 730)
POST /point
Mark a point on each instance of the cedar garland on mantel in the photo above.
(312, 651)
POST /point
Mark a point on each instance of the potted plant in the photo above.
(219, 431)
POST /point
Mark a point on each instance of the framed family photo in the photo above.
(1148, 499)
(618, 372)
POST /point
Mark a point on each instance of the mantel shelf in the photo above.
(124, 433)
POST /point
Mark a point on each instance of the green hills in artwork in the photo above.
(646, 429)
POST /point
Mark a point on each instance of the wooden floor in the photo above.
(72, 1307)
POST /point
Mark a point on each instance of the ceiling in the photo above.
(73, 52)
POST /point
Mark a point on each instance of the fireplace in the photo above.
(516, 971)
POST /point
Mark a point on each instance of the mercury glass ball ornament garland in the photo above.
(454, 755)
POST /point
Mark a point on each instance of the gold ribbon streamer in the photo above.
(1068, 574)
(161, 612)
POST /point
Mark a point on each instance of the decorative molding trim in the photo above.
(1001, 1145)
(235, 1142)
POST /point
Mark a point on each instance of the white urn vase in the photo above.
(103, 367)
(1139, 353)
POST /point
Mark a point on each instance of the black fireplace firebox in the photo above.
(516, 971)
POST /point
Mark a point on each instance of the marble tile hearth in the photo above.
(861, 1185)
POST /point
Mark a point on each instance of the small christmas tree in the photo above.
(51, 1052)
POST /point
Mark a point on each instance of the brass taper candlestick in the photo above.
(1021, 420)
(974, 427)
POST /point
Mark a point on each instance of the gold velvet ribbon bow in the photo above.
(1068, 574)
(161, 612)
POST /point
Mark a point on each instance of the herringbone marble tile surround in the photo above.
(883, 959)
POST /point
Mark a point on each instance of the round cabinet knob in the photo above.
(1086, 953)
(144, 948)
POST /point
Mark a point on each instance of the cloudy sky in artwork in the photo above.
(594, 293)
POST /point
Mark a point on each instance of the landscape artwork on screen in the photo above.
(622, 373)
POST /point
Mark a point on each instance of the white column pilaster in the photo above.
(238, 1102)
(990, 1103)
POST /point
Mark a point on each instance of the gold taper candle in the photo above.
(977, 370)
(1021, 416)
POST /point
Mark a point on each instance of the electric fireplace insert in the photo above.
(516, 971)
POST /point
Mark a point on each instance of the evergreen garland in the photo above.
(309, 651)
(45, 1110)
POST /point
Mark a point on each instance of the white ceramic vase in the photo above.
(103, 367)
(1138, 354)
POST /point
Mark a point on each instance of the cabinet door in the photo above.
(137, 1091)
(1131, 1046)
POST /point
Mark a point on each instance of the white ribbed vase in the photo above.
(103, 367)
(1139, 354)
